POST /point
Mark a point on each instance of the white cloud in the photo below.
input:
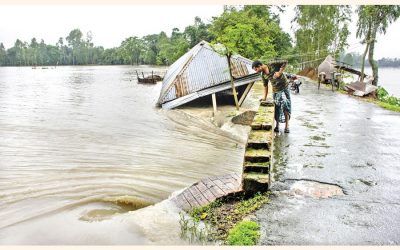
(110, 24)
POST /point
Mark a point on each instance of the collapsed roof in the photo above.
(200, 72)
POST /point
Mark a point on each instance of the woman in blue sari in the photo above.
(280, 91)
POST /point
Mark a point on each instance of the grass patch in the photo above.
(245, 233)
(223, 214)
(388, 106)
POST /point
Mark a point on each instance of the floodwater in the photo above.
(83, 148)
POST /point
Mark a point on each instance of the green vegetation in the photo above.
(373, 19)
(388, 106)
(193, 230)
(321, 30)
(252, 31)
(223, 214)
(386, 101)
(245, 233)
(78, 49)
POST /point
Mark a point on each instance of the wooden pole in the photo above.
(233, 85)
(214, 102)
(246, 91)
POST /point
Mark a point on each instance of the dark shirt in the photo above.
(278, 84)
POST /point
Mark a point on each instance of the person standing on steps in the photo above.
(280, 90)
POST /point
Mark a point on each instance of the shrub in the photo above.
(245, 233)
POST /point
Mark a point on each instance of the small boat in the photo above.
(153, 78)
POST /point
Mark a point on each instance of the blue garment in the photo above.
(282, 103)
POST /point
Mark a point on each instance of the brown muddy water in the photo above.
(83, 149)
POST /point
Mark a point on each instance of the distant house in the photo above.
(202, 72)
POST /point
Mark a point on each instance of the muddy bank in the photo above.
(311, 73)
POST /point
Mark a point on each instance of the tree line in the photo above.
(355, 59)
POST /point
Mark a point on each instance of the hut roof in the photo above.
(327, 66)
(199, 69)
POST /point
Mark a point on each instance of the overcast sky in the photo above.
(111, 24)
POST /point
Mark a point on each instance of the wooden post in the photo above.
(233, 85)
(246, 91)
(142, 74)
(214, 102)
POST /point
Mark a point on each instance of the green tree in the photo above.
(178, 45)
(348, 58)
(151, 49)
(19, 48)
(3, 55)
(63, 51)
(111, 57)
(197, 32)
(373, 19)
(33, 51)
(243, 33)
(75, 42)
(321, 30)
(132, 50)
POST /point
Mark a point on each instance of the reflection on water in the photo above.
(75, 136)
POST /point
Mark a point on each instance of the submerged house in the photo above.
(202, 72)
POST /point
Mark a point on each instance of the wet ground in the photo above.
(336, 175)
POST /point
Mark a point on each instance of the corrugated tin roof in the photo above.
(214, 89)
(200, 68)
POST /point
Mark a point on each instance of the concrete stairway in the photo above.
(258, 154)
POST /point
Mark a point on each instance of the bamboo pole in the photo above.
(214, 102)
(233, 85)
(246, 91)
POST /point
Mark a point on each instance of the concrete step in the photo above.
(258, 145)
(261, 126)
(257, 155)
(255, 182)
(259, 139)
(264, 119)
(257, 167)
